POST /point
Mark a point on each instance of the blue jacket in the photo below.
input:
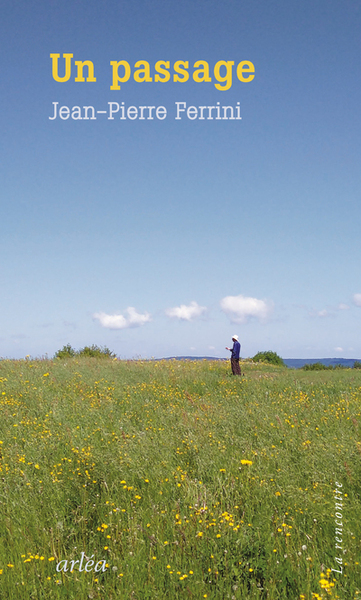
(236, 350)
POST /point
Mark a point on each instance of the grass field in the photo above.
(169, 480)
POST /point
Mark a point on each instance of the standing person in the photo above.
(236, 369)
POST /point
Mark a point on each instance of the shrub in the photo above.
(317, 366)
(357, 364)
(95, 351)
(269, 357)
(66, 352)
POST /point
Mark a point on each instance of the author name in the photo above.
(122, 112)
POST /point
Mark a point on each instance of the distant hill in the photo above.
(292, 363)
(191, 358)
(297, 363)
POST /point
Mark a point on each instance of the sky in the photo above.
(162, 237)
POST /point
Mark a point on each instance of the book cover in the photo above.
(172, 174)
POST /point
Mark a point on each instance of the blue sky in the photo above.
(166, 237)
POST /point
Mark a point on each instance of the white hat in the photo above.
(235, 337)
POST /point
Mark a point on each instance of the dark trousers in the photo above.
(236, 369)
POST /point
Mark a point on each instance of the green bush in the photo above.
(317, 366)
(357, 364)
(269, 357)
(66, 352)
(93, 351)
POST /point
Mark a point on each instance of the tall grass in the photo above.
(187, 482)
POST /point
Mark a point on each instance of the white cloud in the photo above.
(338, 349)
(357, 299)
(321, 314)
(186, 313)
(240, 308)
(343, 306)
(118, 321)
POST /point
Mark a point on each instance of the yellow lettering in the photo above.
(158, 68)
(142, 75)
(177, 68)
(245, 67)
(55, 67)
(115, 75)
(80, 65)
(201, 74)
(227, 78)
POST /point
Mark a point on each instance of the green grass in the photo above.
(139, 464)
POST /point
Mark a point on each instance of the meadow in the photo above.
(172, 480)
